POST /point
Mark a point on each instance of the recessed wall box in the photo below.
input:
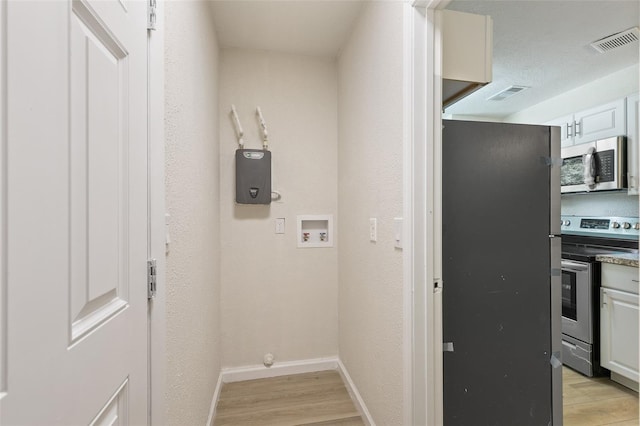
(315, 231)
(253, 176)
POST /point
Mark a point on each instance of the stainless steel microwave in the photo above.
(594, 166)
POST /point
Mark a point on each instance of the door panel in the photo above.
(601, 122)
(115, 412)
(497, 325)
(98, 164)
(619, 331)
(76, 212)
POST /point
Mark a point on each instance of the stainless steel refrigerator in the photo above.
(501, 274)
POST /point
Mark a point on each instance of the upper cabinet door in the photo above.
(601, 122)
(566, 129)
(632, 143)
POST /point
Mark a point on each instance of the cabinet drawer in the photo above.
(620, 277)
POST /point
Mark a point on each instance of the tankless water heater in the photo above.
(253, 176)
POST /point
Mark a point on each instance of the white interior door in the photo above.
(74, 213)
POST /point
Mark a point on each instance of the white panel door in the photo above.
(601, 122)
(74, 350)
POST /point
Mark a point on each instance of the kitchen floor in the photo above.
(597, 401)
(322, 399)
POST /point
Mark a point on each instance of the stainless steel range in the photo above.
(583, 238)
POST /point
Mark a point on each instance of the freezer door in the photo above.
(498, 323)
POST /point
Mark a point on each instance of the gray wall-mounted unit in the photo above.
(253, 176)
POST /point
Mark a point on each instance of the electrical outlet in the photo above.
(373, 229)
(280, 225)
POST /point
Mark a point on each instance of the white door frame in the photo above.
(423, 213)
(156, 345)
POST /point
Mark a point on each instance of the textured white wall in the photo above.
(370, 109)
(192, 191)
(275, 297)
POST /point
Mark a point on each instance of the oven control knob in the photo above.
(615, 225)
(626, 225)
(636, 226)
(566, 223)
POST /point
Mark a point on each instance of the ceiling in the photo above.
(540, 44)
(545, 45)
(306, 27)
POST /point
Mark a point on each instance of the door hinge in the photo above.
(151, 278)
(151, 14)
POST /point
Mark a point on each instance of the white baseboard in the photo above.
(214, 401)
(238, 374)
(355, 395)
(631, 384)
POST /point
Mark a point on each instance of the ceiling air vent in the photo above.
(504, 94)
(616, 40)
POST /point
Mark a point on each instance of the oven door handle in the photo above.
(574, 267)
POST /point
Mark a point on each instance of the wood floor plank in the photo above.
(596, 413)
(260, 389)
(275, 384)
(633, 422)
(319, 399)
(297, 403)
(597, 401)
(602, 389)
(351, 421)
(294, 393)
(303, 399)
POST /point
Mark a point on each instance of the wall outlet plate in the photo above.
(373, 229)
(397, 232)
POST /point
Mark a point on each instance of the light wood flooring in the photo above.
(303, 399)
(322, 399)
(597, 401)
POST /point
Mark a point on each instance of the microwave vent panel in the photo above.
(617, 40)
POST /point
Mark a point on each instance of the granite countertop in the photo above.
(626, 259)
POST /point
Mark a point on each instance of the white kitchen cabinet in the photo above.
(467, 54)
(600, 122)
(619, 320)
(633, 134)
(566, 129)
